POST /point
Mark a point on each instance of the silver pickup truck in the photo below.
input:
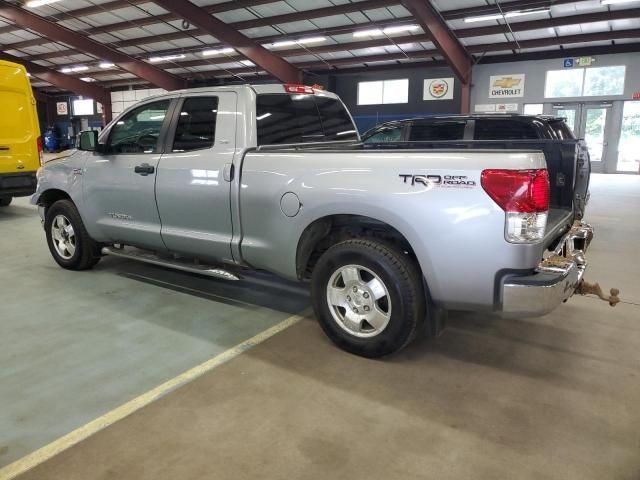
(273, 177)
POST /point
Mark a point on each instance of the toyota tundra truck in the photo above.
(221, 180)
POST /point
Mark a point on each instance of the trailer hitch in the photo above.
(586, 288)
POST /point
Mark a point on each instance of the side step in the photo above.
(147, 257)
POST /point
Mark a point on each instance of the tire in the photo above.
(340, 296)
(5, 201)
(72, 248)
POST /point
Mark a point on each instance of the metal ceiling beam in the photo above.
(66, 82)
(453, 51)
(117, 4)
(137, 42)
(503, 7)
(58, 33)
(227, 6)
(292, 52)
(549, 23)
(275, 65)
(556, 41)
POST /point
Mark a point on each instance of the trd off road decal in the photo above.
(445, 181)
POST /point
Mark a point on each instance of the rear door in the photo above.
(19, 129)
(193, 185)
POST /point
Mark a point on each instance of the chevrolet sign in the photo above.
(501, 86)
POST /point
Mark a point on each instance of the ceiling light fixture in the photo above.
(500, 16)
(166, 58)
(107, 65)
(79, 68)
(218, 51)
(385, 31)
(88, 79)
(39, 3)
(300, 41)
(615, 2)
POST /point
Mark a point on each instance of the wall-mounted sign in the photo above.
(504, 86)
(98, 107)
(506, 107)
(584, 61)
(62, 108)
(485, 107)
(567, 63)
(636, 95)
(438, 89)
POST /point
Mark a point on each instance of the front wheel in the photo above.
(5, 201)
(368, 297)
(69, 243)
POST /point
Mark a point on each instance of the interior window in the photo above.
(504, 129)
(196, 128)
(386, 135)
(436, 130)
(138, 131)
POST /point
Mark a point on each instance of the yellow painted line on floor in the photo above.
(57, 446)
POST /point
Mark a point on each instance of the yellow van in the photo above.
(20, 140)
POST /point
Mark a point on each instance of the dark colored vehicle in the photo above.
(567, 157)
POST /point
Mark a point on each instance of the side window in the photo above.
(434, 130)
(504, 129)
(196, 129)
(386, 135)
(284, 118)
(139, 130)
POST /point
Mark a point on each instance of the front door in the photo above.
(194, 177)
(119, 181)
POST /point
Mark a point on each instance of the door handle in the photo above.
(144, 169)
(227, 173)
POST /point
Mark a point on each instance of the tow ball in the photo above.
(586, 288)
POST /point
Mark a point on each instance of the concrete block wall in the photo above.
(120, 101)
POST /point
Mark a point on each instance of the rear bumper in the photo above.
(18, 184)
(554, 280)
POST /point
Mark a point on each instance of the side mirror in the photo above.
(88, 141)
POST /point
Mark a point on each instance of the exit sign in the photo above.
(584, 61)
(636, 95)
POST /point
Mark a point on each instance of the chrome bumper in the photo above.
(555, 279)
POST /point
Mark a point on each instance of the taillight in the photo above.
(524, 196)
(40, 153)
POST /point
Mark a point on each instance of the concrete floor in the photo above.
(555, 397)
(75, 345)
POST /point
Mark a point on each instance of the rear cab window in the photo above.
(284, 118)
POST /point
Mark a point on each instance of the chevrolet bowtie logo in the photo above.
(506, 82)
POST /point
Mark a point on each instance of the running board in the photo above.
(146, 257)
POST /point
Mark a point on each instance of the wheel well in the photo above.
(325, 232)
(50, 197)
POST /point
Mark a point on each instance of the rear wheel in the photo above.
(5, 201)
(368, 297)
(68, 240)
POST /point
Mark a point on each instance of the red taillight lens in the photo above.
(521, 191)
(40, 151)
